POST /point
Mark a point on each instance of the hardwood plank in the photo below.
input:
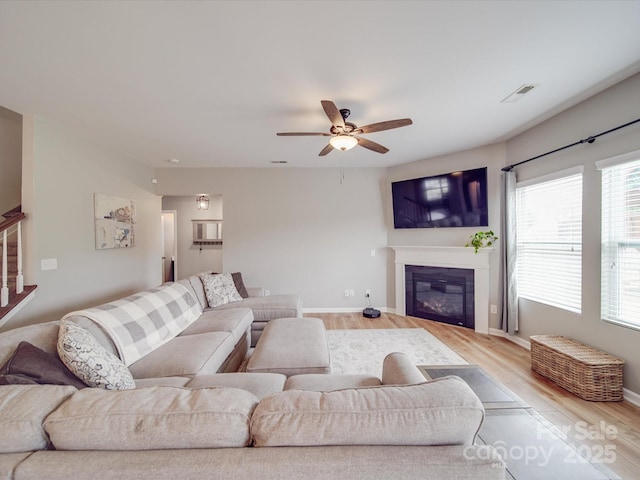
(509, 363)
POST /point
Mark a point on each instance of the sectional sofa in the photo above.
(191, 415)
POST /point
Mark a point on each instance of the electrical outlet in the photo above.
(367, 293)
(346, 292)
(352, 293)
(494, 309)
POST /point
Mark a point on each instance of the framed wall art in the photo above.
(114, 221)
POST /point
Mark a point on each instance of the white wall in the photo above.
(297, 230)
(192, 258)
(10, 160)
(615, 106)
(492, 157)
(61, 174)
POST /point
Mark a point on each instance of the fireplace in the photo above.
(441, 294)
(447, 257)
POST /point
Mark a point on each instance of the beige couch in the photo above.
(264, 307)
(192, 416)
(217, 342)
(396, 430)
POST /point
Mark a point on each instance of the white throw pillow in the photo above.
(220, 289)
(89, 361)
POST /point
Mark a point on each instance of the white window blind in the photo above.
(620, 281)
(549, 240)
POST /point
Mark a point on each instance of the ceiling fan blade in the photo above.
(388, 125)
(333, 113)
(325, 150)
(301, 134)
(376, 147)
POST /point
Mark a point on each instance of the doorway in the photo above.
(169, 246)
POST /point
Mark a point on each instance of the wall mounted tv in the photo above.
(457, 199)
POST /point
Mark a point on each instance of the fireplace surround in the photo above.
(448, 257)
(440, 293)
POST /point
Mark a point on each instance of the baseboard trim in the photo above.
(344, 310)
(512, 338)
(631, 397)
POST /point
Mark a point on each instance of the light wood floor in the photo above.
(606, 429)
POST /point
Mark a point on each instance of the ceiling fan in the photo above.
(344, 135)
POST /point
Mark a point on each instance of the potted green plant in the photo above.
(481, 239)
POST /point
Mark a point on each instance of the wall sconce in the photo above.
(202, 202)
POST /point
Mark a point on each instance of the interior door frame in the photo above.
(174, 255)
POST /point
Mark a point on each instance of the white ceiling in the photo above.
(211, 82)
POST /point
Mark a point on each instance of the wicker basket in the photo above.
(585, 371)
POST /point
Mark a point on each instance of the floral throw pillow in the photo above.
(89, 361)
(220, 289)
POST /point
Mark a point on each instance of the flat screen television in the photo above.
(456, 199)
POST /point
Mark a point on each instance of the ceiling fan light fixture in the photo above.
(343, 142)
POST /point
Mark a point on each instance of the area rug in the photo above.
(361, 351)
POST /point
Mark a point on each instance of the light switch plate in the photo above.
(49, 264)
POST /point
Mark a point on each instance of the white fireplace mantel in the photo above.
(449, 257)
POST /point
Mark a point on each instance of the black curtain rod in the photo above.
(590, 139)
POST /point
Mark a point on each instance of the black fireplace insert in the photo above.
(441, 294)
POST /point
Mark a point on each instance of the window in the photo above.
(549, 239)
(435, 189)
(620, 280)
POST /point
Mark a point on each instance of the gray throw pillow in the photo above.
(239, 283)
(17, 379)
(30, 364)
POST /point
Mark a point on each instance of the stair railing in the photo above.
(4, 228)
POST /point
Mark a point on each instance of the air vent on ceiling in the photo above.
(279, 162)
(519, 93)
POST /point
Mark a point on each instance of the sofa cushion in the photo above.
(270, 307)
(186, 355)
(194, 285)
(260, 384)
(23, 408)
(162, 382)
(42, 335)
(152, 418)
(9, 462)
(89, 361)
(440, 412)
(319, 382)
(236, 321)
(40, 366)
(398, 369)
(453, 462)
(292, 346)
(220, 289)
(17, 379)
